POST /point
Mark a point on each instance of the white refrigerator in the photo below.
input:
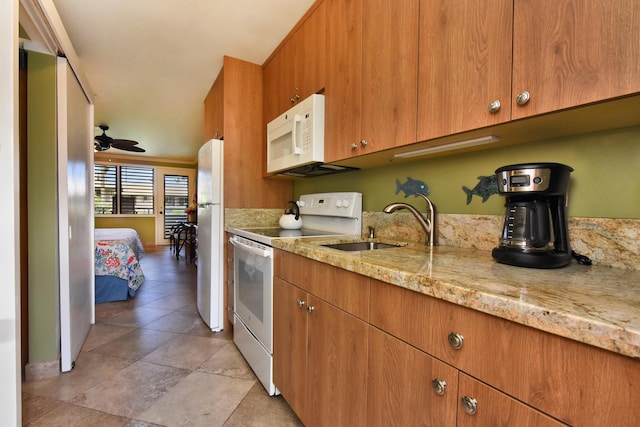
(211, 234)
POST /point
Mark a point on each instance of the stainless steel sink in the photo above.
(361, 246)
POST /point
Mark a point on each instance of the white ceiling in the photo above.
(150, 63)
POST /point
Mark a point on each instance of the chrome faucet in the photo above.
(428, 223)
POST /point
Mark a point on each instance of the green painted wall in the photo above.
(605, 183)
(44, 302)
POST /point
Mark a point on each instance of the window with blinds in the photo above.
(123, 190)
(105, 196)
(136, 190)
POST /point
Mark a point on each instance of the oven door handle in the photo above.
(264, 253)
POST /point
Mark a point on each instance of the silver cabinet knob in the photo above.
(295, 97)
(310, 308)
(353, 146)
(300, 303)
(494, 107)
(363, 143)
(455, 340)
(469, 405)
(523, 98)
(438, 386)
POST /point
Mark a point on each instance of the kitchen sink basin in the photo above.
(361, 246)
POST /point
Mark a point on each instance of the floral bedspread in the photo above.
(116, 258)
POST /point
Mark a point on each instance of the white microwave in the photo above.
(296, 137)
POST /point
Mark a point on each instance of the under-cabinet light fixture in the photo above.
(446, 147)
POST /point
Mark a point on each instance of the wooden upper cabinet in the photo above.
(344, 69)
(389, 73)
(235, 95)
(465, 65)
(214, 110)
(310, 47)
(297, 69)
(371, 64)
(573, 52)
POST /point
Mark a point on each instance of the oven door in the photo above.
(253, 288)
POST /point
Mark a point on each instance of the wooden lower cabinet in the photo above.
(353, 351)
(580, 385)
(400, 389)
(290, 344)
(320, 358)
(408, 387)
(482, 406)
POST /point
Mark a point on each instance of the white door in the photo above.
(10, 386)
(75, 213)
(175, 191)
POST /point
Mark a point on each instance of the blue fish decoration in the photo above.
(411, 187)
(486, 187)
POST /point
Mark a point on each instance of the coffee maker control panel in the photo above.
(523, 180)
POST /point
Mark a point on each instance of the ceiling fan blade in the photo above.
(132, 148)
(127, 142)
(104, 142)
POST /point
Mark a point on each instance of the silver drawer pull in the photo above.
(438, 386)
(300, 303)
(469, 405)
(455, 340)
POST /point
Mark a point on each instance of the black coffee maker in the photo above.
(535, 232)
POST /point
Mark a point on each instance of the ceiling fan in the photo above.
(104, 142)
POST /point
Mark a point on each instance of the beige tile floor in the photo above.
(151, 361)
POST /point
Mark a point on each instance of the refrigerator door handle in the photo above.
(264, 253)
(206, 205)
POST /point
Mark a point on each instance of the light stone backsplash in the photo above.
(608, 242)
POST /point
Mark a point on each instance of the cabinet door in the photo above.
(481, 405)
(290, 344)
(276, 80)
(389, 74)
(214, 109)
(573, 52)
(297, 69)
(344, 69)
(310, 55)
(337, 367)
(465, 64)
(400, 390)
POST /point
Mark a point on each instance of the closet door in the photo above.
(75, 213)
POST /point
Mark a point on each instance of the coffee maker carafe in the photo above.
(535, 232)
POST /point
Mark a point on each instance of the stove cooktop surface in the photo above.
(264, 235)
(281, 232)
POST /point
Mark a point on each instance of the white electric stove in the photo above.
(324, 214)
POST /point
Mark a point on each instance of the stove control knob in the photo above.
(345, 203)
(301, 203)
(338, 203)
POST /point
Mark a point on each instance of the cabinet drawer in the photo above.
(489, 407)
(400, 385)
(574, 382)
(344, 289)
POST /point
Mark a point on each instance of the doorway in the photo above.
(176, 190)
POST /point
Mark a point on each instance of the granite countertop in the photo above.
(595, 305)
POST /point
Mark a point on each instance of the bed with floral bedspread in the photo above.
(118, 272)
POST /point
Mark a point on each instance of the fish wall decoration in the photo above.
(411, 187)
(485, 188)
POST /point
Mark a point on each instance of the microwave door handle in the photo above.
(294, 136)
(264, 253)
